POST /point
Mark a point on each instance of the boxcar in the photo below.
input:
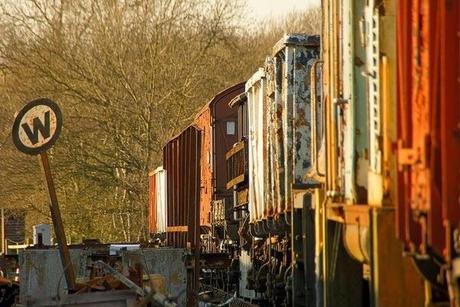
(215, 126)
(268, 171)
(363, 262)
(217, 121)
(428, 144)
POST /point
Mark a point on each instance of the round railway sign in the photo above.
(37, 126)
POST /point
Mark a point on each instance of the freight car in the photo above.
(428, 142)
(205, 141)
(336, 147)
(362, 260)
(392, 123)
(192, 180)
(267, 172)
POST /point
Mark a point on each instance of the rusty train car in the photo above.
(340, 182)
(205, 141)
(390, 77)
(428, 140)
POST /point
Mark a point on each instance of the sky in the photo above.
(261, 9)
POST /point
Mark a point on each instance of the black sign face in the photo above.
(37, 126)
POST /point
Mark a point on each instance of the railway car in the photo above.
(428, 142)
(362, 260)
(268, 170)
(215, 126)
(191, 180)
(331, 177)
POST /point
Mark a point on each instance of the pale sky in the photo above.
(260, 9)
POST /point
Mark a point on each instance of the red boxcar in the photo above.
(218, 123)
(428, 130)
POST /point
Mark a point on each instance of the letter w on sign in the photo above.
(38, 127)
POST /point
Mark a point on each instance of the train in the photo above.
(331, 177)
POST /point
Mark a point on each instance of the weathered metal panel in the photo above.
(255, 92)
(352, 130)
(280, 131)
(204, 122)
(41, 274)
(429, 116)
(278, 137)
(224, 135)
(167, 262)
(216, 121)
(318, 148)
(420, 144)
(246, 266)
(292, 98)
(182, 157)
(181, 160)
(157, 201)
(271, 196)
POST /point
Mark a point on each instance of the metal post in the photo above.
(58, 226)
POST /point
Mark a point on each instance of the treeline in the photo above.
(128, 75)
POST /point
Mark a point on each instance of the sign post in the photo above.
(36, 128)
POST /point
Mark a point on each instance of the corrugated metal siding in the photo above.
(181, 160)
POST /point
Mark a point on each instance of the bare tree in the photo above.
(129, 74)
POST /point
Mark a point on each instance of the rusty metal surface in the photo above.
(212, 120)
(292, 95)
(221, 140)
(181, 160)
(152, 203)
(280, 132)
(203, 122)
(157, 201)
(359, 99)
(428, 114)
